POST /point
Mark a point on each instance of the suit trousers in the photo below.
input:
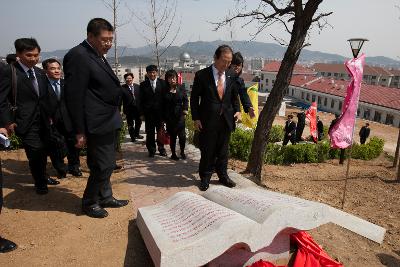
(153, 124)
(35, 150)
(214, 144)
(101, 162)
(134, 122)
(177, 130)
(72, 155)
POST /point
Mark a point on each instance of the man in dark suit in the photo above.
(215, 107)
(290, 131)
(151, 95)
(130, 97)
(61, 120)
(5, 244)
(92, 95)
(31, 120)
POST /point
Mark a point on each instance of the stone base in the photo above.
(239, 255)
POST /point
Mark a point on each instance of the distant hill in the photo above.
(202, 49)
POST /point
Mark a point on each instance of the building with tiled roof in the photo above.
(372, 75)
(377, 103)
(268, 74)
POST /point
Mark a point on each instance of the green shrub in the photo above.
(240, 144)
(16, 142)
(276, 134)
(368, 151)
(274, 154)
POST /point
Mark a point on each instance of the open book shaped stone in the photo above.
(192, 230)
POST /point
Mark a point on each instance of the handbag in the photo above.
(163, 136)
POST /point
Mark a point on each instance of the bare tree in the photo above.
(160, 32)
(296, 17)
(113, 5)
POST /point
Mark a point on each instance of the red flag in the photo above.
(180, 78)
(311, 115)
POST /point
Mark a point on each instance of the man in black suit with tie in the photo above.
(290, 131)
(61, 120)
(31, 119)
(130, 97)
(215, 108)
(151, 95)
(93, 94)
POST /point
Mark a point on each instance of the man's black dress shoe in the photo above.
(139, 136)
(6, 245)
(61, 174)
(163, 153)
(51, 181)
(204, 186)
(117, 167)
(95, 211)
(174, 157)
(151, 155)
(227, 182)
(183, 156)
(75, 172)
(42, 190)
(114, 203)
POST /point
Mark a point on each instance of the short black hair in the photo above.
(367, 124)
(222, 49)
(96, 25)
(11, 58)
(128, 74)
(237, 59)
(48, 61)
(171, 73)
(151, 68)
(26, 44)
(290, 116)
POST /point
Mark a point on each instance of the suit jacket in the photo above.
(130, 100)
(92, 91)
(28, 102)
(151, 102)
(59, 111)
(290, 128)
(175, 104)
(205, 103)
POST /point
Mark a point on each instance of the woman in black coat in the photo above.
(176, 106)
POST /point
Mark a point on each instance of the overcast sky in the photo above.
(58, 24)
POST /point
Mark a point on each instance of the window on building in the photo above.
(365, 77)
(332, 103)
(319, 100)
(266, 81)
(389, 119)
(336, 74)
(313, 98)
(322, 73)
(262, 76)
(358, 112)
(273, 82)
(302, 95)
(308, 97)
(383, 80)
(292, 92)
(377, 116)
(329, 74)
(367, 113)
(340, 105)
(373, 77)
(325, 101)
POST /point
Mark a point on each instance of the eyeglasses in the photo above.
(106, 41)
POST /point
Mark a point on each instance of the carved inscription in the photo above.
(190, 217)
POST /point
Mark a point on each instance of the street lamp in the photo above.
(356, 44)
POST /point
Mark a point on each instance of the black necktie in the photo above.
(33, 80)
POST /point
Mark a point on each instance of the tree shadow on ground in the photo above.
(17, 177)
(136, 252)
(388, 260)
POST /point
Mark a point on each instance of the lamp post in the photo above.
(355, 45)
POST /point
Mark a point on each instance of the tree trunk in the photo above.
(396, 154)
(301, 25)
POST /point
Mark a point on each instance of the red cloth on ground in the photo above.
(309, 254)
